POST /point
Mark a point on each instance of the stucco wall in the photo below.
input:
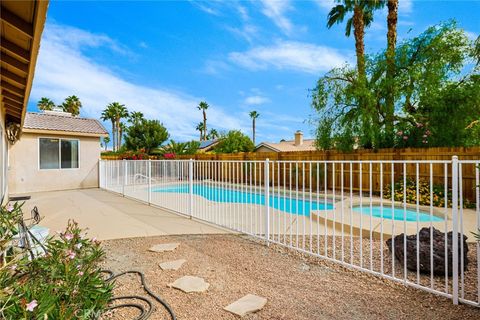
(25, 175)
(3, 160)
(264, 149)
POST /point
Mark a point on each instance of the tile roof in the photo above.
(66, 123)
(289, 145)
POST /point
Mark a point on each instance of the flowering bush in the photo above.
(64, 283)
(438, 194)
(169, 155)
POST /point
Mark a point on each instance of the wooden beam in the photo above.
(13, 111)
(16, 22)
(13, 89)
(14, 49)
(12, 96)
(12, 76)
(12, 103)
(11, 61)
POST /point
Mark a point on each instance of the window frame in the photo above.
(59, 153)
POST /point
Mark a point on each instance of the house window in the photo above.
(58, 153)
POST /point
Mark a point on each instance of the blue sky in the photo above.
(163, 57)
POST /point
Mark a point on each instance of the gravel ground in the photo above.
(296, 286)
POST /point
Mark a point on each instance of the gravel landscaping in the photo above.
(296, 286)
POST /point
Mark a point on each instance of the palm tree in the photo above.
(362, 18)
(109, 114)
(200, 127)
(72, 104)
(204, 106)
(135, 117)
(45, 104)
(106, 140)
(213, 134)
(121, 129)
(254, 115)
(392, 18)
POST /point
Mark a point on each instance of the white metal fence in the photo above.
(351, 212)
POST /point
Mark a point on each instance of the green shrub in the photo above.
(438, 193)
(65, 283)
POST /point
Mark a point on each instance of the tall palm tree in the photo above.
(204, 106)
(254, 115)
(362, 18)
(200, 127)
(45, 104)
(392, 18)
(135, 117)
(121, 129)
(121, 112)
(109, 114)
(72, 104)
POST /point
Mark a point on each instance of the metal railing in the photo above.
(395, 219)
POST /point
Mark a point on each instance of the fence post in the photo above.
(125, 176)
(149, 181)
(267, 200)
(455, 229)
(190, 187)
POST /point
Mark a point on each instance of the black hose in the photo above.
(144, 313)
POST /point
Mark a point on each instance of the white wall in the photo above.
(25, 175)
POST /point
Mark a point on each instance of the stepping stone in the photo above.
(164, 247)
(190, 284)
(249, 303)
(172, 265)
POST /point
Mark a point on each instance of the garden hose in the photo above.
(144, 313)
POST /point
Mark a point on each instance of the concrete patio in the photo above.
(110, 216)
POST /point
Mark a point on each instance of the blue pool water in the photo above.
(218, 194)
(397, 213)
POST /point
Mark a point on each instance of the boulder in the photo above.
(424, 251)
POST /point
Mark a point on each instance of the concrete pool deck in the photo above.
(110, 216)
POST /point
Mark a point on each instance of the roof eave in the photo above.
(64, 133)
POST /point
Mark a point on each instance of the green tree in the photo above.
(72, 104)
(45, 104)
(254, 115)
(203, 106)
(201, 128)
(146, 135)
(135, 116)
(392, 19)
(106, 141)
(182, 148)
(234, 141)
(213, 134)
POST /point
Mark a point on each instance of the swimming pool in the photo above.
(218, 194)
(397, 213)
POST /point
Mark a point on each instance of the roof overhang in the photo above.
(64, 133)
(21, 27)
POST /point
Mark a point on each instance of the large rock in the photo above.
(424, 251)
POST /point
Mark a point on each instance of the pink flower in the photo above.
(10, 208)
(419, 125)
(405, 137)
(68, 236)
(427, 132)
(13, 267)
(32, 305)
(94, 239)
(78, 245)
(71, 255)
(400, 133)
(80, 273)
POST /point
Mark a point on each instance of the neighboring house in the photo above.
(298, 144)
(56, 152)
(21, 27)
(208, 145)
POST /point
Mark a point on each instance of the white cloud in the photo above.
(471, 35)
(405, 7)
(63, 70)
(326, 4)
(276, 10)
(205, 7)
(256, 100)
(290, 55)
